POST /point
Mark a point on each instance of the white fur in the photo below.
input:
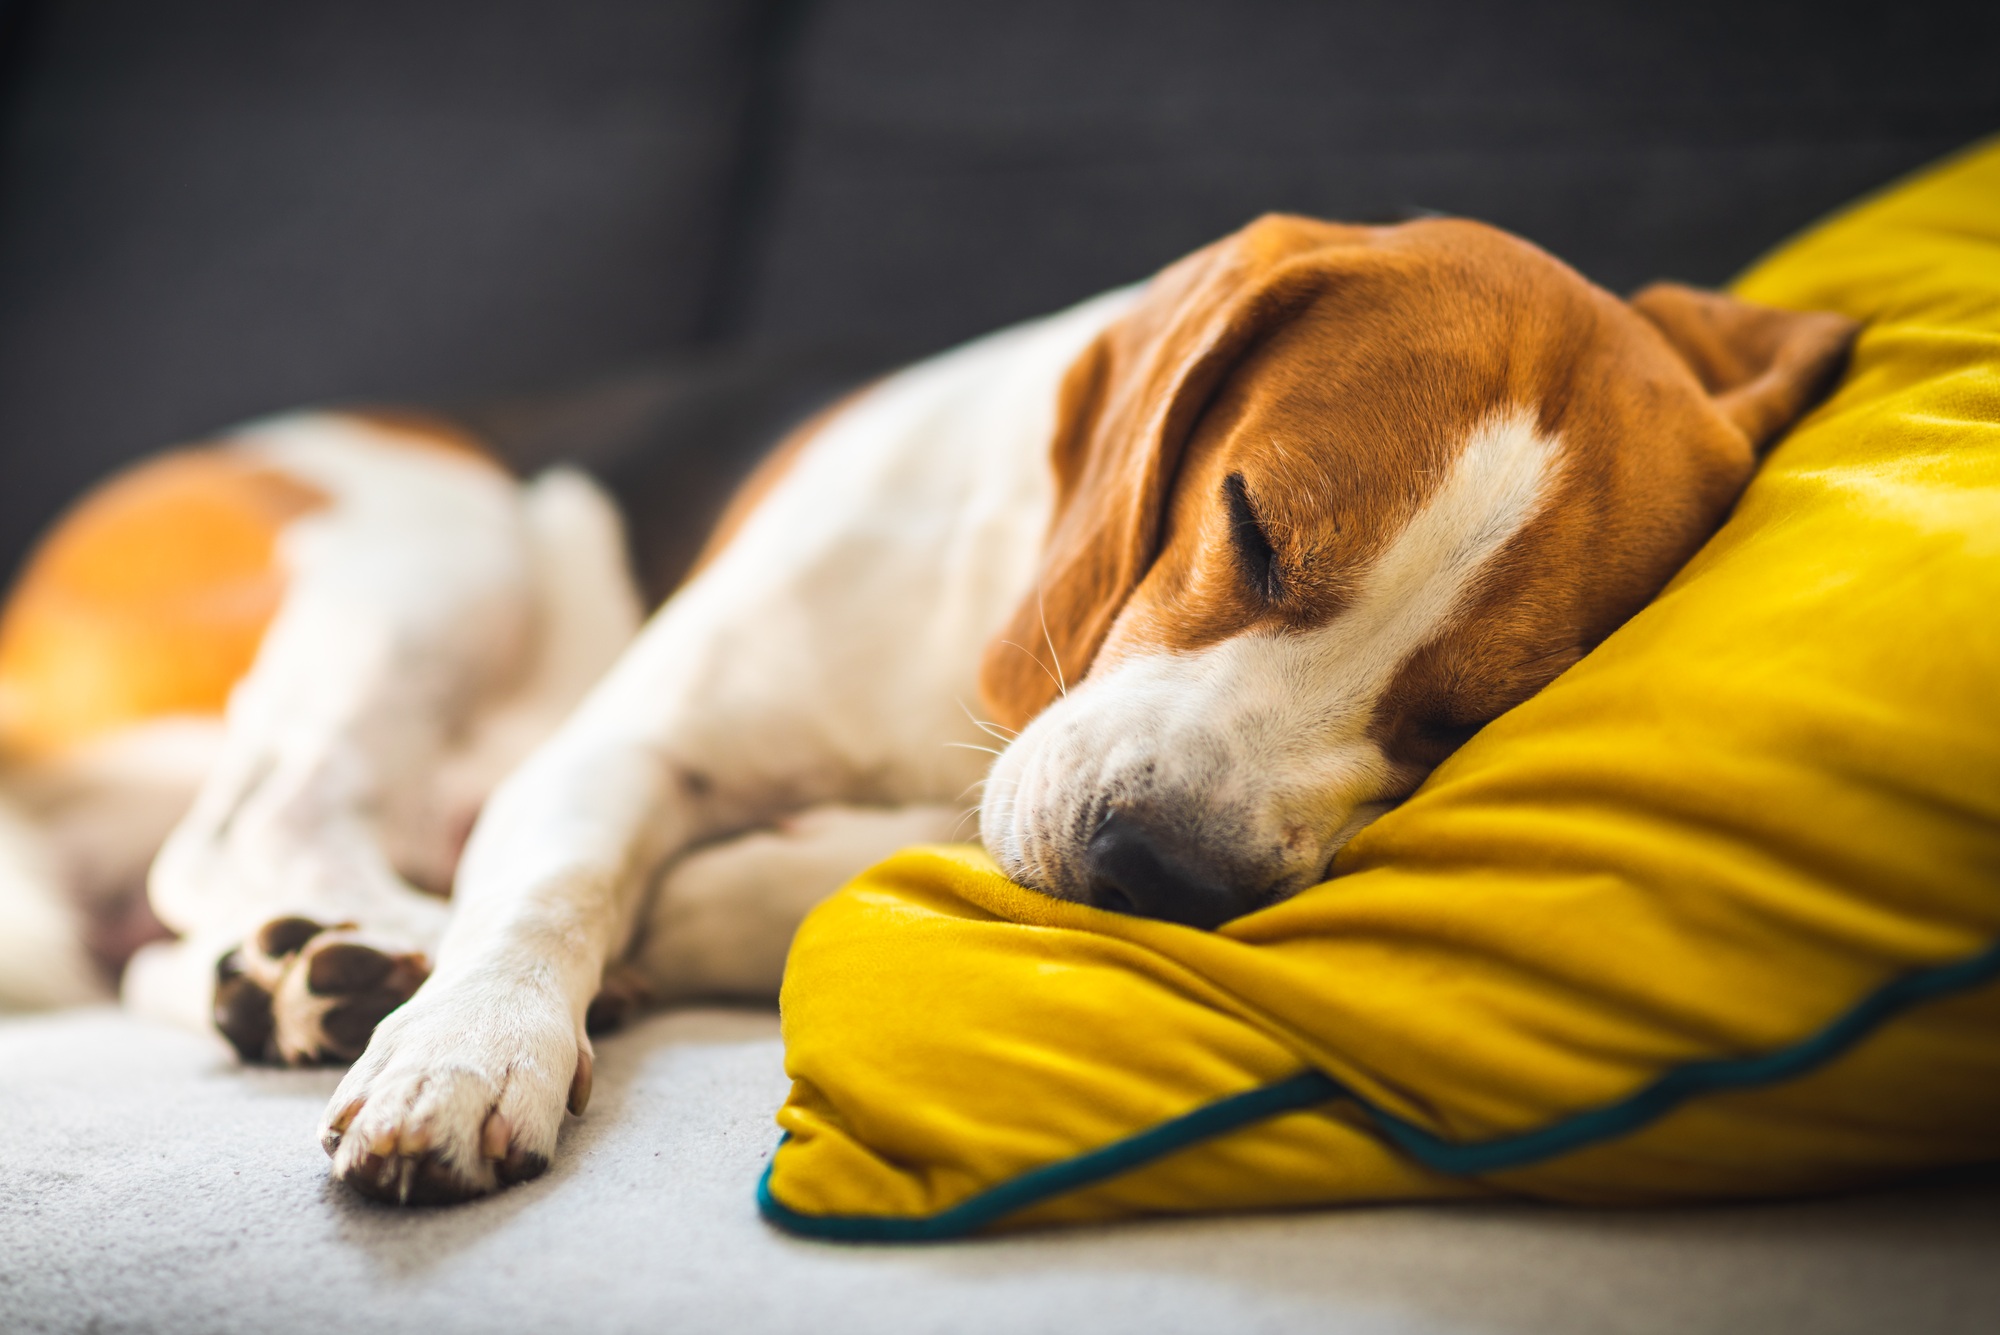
(1260, 744)
(99, 812)
(42, 962)
(407, 600)
(438, 621)
(827, 654)
(800, 708)
(106, 804)
(721, 921)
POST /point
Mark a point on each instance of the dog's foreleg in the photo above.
(411, 614)
(826, 654)
(733, 709)
(463, 1089)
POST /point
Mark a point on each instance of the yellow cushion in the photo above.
(1715, 915)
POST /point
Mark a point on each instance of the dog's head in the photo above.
(1328, 499)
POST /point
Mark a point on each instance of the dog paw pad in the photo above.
(285, 936)
(346, 967)
(242, 1009)
(298, 991)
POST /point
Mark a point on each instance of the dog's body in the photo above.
(1320, 501)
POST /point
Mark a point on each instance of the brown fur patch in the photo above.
(148, 598)
(421, 430)
(1290, 396)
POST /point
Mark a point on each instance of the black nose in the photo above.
(1134, 870)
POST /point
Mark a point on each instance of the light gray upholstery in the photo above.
(149, 1184)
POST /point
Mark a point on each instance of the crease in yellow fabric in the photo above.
(1771, 793)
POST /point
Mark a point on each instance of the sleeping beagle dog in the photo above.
(1189, 582)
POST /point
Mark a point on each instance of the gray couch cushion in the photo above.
(148, 1184)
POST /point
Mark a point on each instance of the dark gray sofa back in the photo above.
(952, 165)
(216, 208)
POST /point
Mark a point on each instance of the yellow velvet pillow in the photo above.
(1715, 915)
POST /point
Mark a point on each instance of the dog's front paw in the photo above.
(460, 1093)
(297, 991)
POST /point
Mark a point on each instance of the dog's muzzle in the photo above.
(1143, 868)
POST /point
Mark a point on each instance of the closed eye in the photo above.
(1446, 734)
(1254, 552)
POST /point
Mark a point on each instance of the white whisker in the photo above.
(993, 730)
(1062, 686)
(981, 783)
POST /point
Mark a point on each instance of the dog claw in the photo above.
(522, 1165)
(337, 1124)
(579, 1085)
(454, 1108)
(494, 1137)
(398, 1179)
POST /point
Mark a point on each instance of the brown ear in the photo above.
(1127, 407)
(1763, 366)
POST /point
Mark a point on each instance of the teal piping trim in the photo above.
(1309, 1089)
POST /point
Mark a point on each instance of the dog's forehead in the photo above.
(1346, 416)
(1405, 393)
(1346, 421)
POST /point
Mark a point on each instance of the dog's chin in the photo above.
(1060, 872)
(1363, 815)
(1192, 833)
(1005, 847)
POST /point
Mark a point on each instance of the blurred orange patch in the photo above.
(149, 598)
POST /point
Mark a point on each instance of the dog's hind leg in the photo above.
(421, 646)
(42, 957)
(88, 821)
